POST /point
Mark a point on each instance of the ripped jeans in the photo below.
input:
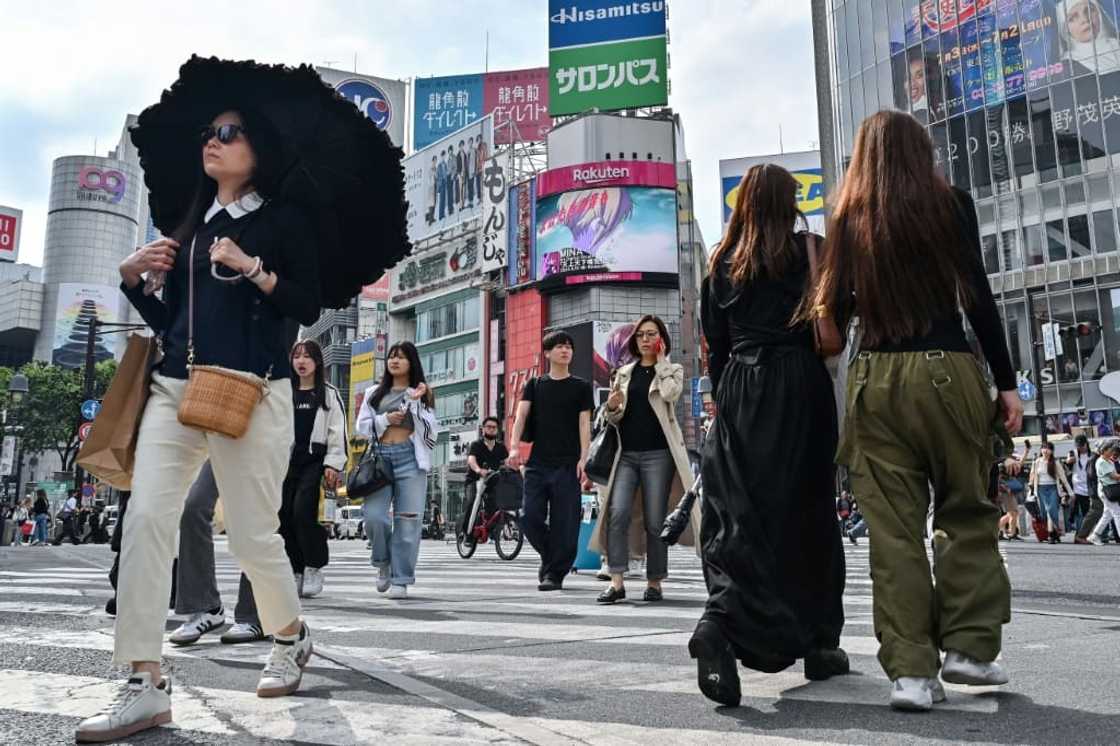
(394, 515)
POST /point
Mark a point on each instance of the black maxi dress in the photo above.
(771, 547)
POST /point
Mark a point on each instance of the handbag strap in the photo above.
(811, 250)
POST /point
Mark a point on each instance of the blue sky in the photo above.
(73, 70)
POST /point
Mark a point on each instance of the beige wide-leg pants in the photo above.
(249, 472)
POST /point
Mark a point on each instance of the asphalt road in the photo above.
(477, 655)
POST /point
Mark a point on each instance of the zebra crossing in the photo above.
(475, 654)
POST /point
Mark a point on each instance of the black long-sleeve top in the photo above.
(947, 333)
(757, 314)
(235, 324)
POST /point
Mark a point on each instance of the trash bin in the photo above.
(587, 559)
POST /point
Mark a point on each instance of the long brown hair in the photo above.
(758, 235)
(895, 239)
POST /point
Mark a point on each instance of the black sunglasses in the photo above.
(226, 133)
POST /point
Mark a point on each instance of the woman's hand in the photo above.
(614, 401)
(158, 256)
(225, 252)
(419, 391)
(1012, 407)
(330, 476)
(395, 418)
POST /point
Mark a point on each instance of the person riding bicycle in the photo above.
(486, 455)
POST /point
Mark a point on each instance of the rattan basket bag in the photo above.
(217, 400)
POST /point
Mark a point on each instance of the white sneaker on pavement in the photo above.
(398, 591)
(634, 570)
(137, 706)
(284, 671)
(383, 579)
(243, 632)
(312, 582)
(199, 624)
(1095, 540)
(916, 693)
(961, 669)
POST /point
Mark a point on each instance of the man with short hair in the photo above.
(486, 454)
(68, 515)
(557, 406)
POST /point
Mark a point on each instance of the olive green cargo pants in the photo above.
(915, 419)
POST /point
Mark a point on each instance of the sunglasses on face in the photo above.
(226, 133)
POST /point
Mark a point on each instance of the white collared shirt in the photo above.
(239, 208)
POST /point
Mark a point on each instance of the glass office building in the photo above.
(1022, 101)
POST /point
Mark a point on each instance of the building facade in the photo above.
(1022, 101)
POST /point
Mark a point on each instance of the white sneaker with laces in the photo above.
(199, 624)
(312, 582)
(284, 671)
(634, 570)
(137, 706)
(383, 579)
(398, 591)
(916, 693)
(243, 632)
(961, 669)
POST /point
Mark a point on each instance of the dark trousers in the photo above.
(1091, 518)
(68, 530)
(551, 517)
(305, 539)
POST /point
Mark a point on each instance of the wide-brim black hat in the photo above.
(333, 162)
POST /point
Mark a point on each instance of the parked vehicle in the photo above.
(350, 523)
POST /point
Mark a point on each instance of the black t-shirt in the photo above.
(304, 404)
(487, 458)
(640, 429)
(556, 406)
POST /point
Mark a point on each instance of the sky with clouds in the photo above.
(73, 70)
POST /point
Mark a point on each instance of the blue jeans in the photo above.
(40, 534)
(859, 530)
(1050, 504)
(551, 515)
(396, 538)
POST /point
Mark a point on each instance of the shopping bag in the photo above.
(109, 452)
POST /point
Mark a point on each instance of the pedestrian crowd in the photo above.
(32, 522)
(901, 258)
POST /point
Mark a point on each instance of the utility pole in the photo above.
(87, 391)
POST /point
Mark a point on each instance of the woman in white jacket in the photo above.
(318, 455)
(399, 414)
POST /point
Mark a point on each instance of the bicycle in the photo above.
(499, 524)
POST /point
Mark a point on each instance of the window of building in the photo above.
(1110, 92)
(1042, 134)
(991, 253)
(1089, 123)
(1079, 236)
(958, 154)
(1104, 231)
(1032, 245)
(1012, 253)
(1087, 336)
(1064, 120)
(1056, 249)
(978, 154)
(451, 318)
(866, 37)
(1110, 327)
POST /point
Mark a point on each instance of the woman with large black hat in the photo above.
(248, 246)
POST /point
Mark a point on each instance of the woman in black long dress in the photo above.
(773, 558)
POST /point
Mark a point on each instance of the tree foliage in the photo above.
(50, 413)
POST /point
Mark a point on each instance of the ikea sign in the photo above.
(805, 168)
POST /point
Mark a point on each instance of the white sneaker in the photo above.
(243, 632)
(916, 693)
(199, 624)
(1095, 540)
(634, 570)
(398, 591)
(284, 670)
(604, 571)
(383, 579)
(312, 582)
(137, 706)
(960, 669)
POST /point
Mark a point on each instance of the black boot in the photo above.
(825, 663)
(717, 671)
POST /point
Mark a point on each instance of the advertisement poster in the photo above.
(78, 305)
(522, 236)
(611, 353)
(380, 99)
(10, 221)
(443, 182)
(444, 105)
(495, 212)
(362, 373)
(606, 55)
(612, 229)
(449, 103)
(805, 167)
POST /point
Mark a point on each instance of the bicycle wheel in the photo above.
(508, 539)
(465, 545)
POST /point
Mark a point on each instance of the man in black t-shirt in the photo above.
(560, 407)
(486, 455)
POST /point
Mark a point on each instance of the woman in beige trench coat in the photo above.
(651, 469)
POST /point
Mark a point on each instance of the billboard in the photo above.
(449, 103)
(805, 167)
(380, 99)
(362, 373)
(606, 55)
(443, 182)
(11, 220)
(606, 174)
(606, 234)
(610, 353)
(433, 272)
(522, 236)
(78, 304)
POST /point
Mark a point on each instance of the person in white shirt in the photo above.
(1081, 464)
(1107, 481)
(1047, 476)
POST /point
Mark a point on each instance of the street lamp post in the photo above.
(17, 389)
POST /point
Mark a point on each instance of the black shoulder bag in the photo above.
(603, 450)
(373, 472)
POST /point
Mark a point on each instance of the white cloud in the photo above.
(739, 68)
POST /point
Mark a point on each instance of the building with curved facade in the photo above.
(1022, 101)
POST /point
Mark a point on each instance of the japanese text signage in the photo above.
(435, 271)
(10, 220)
(522, 237)
(517, 99)
(495, 213)
(606, 55)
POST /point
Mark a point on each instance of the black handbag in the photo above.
(677, 521)
(1112, 492)
(373, 472)
(603, 451)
